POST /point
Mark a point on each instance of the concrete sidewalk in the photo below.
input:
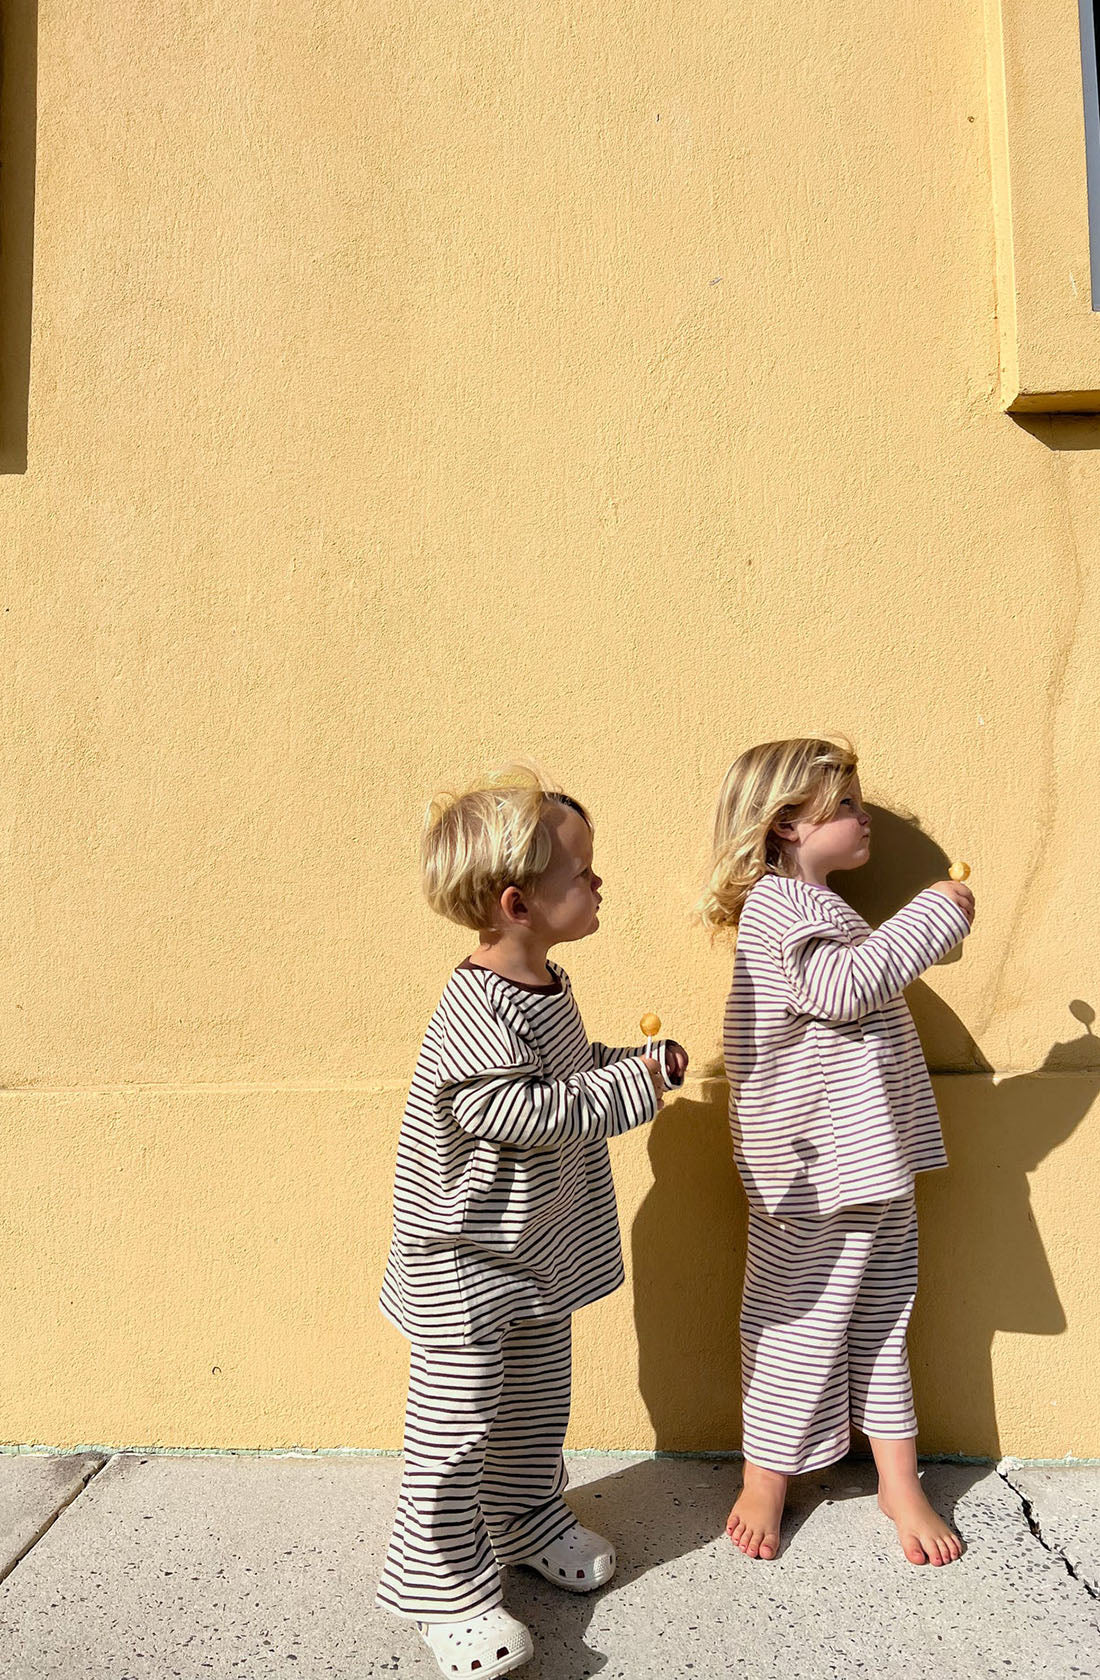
(137, 1567)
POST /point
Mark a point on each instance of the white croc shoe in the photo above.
(489, 1644)
(578, 1560)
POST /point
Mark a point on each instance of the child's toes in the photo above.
(913, 1549)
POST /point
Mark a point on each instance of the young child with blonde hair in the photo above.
(504, 1223)
(832, 1114)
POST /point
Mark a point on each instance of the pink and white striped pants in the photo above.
(823, 1323)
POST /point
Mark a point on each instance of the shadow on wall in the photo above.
(1061, 431)
(18, 118)
(983, 1264)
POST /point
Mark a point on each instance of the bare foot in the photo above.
(924, 1536)
(753, 1524)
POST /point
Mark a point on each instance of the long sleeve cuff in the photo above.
(642, 1097)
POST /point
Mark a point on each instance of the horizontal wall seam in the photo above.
(362, 1088)
(390, 1087)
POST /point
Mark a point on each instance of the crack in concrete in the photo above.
(1032, 1520)
(13, 1563)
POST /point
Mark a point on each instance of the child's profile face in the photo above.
(842, 841)
(564, 905)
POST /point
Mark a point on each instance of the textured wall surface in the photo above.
(414, 386)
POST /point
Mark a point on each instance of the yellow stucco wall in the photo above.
(412, 386)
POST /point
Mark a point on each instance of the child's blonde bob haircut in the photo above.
(476, 844)
(761, 788)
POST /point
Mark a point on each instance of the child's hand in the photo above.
(653, 1068)
(959, 894)
(676, 1059)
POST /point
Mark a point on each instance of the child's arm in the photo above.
(835, 981)
(532, 1113)
(492, 1077)
(605, 1055)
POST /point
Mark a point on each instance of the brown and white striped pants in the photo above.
(484, 1474)
(823, 1323)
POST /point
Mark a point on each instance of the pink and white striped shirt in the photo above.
(831, 1105)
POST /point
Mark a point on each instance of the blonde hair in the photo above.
(761, 788)
(476, 844)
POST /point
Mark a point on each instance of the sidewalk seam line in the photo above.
(7, 1569)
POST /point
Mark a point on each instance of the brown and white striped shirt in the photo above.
(830, 1101)
(504, 1207)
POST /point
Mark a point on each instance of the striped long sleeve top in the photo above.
(831, 1105)
(504, 1207)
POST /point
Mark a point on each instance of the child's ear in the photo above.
(784, 831)
(513, 905)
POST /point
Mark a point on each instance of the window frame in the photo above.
(1047, 276)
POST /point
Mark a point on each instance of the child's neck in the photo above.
(515, 955)
(812, 874)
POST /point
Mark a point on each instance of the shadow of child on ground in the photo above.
(656, 1511)
(666, 1517)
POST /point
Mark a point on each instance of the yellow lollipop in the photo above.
(959, 871)
(651, 1026)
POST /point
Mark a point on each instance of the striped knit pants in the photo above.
(823, 1321)
(484, 1475)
